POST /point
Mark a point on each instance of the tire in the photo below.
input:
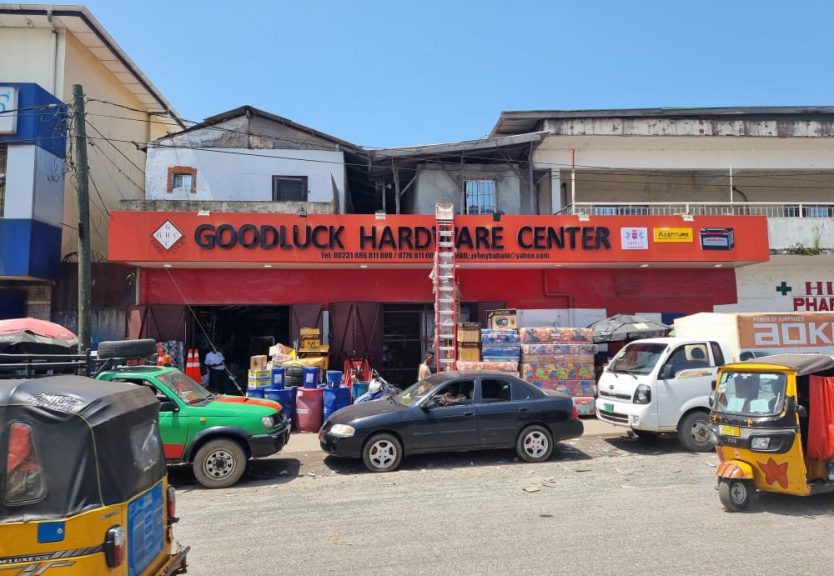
(694, 432)
(127, 348)
(534, 444)
(735, 495)
(382, 453)
(219, 463)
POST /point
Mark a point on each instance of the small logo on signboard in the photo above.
(635, 238)
(668, 235)
(167, 235)
(717, 238)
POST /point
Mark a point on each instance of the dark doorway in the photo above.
(242, 332)
(407, 333)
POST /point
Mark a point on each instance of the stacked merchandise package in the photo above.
(499, 351)
(561, 358)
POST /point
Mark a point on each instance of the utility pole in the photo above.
(84, 296)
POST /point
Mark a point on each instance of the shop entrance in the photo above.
(241, 332)
(408, 331)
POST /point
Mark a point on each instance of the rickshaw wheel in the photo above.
(735, 495)
(219, 463)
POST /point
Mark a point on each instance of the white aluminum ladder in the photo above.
(445, 289)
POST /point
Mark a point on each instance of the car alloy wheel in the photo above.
(534, 444)
(382, 453)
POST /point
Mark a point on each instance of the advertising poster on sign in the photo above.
(762, 334)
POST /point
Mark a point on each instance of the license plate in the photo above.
(729, 430)
(608, 407)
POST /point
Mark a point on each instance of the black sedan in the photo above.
(453, 411)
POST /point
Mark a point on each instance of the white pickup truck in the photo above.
(661, 385)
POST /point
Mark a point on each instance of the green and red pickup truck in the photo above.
(217, 433)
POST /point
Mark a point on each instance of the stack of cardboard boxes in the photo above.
(311, 350)
(259, 375)
(469, 342)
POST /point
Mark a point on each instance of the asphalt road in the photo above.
(602, 505)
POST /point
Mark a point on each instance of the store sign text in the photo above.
(399, 238)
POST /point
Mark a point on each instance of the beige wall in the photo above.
(28, 56)
(116, 167)
(56, 62)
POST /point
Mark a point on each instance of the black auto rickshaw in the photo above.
(83, 486)
(772, 421)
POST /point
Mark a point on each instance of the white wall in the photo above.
(436, 183)
(49, 188)
(757, 284)
(686, 153)
(34, 185)
(20, 182)
(235, 174)
(805, 232)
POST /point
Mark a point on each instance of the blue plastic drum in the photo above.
(285, 397)
(334, 399)
(277, 377)
(312, 376)
(255, 392)
(334, 378)
(358, 389)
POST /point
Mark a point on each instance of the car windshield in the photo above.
(750, 393)
(416, 392)
(187, 389)
(637, 358)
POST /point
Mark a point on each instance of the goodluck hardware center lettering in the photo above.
(303, 237)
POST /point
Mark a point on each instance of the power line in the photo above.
(103, 205)
(90, 124)
(116, 166)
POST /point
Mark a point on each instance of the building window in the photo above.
(480, 196)
(3, 155)
(182, 177)
(289, 188)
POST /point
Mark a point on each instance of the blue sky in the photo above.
(392, 73)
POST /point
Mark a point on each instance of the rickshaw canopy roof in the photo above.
(803, 364)
(85, 443)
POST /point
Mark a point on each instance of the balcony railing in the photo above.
(769, 209)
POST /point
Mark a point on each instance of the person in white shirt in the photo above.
(216, 365)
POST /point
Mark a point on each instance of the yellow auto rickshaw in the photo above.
(770, 422)
(83, 486)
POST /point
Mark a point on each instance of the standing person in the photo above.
(425, 369)
(216, 365)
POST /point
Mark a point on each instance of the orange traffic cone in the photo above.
(192, 369)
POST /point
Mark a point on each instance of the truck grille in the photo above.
(613, 395)
(612, 417)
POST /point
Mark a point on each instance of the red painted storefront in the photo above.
(613, 289)
(354, 266)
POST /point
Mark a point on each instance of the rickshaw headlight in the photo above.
(268, 422)
(115, 546)
(760, 443)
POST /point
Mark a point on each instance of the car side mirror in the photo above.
(168, 406)
(802, 411)
(432, 403)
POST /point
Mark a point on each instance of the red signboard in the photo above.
(154, 238)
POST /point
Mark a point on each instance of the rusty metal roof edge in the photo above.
(533, 117)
